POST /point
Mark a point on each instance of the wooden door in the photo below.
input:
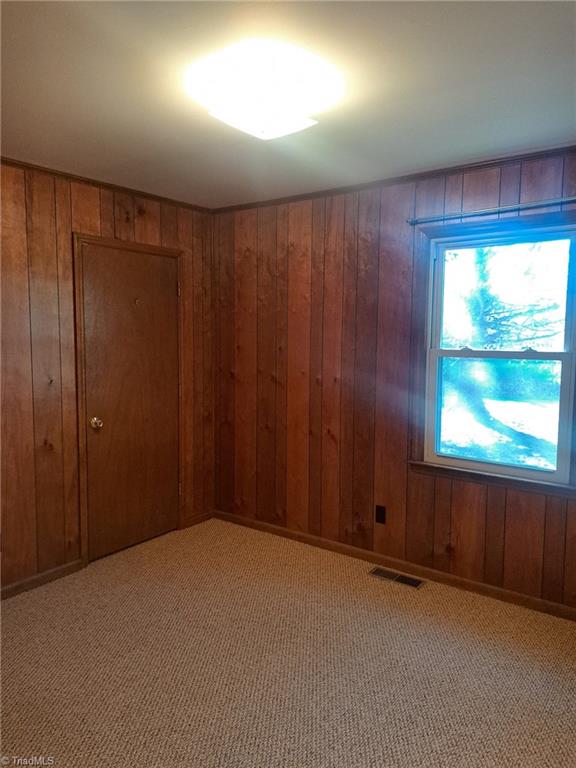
(127, 317)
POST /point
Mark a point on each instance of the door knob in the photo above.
(96, 423)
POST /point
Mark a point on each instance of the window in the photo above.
(500, 365)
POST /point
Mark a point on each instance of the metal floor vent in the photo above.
(382, 573)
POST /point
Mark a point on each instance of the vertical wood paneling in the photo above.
(569, 184)
(147, 221)
(281, 363)
(304, 335)
(468, 530)
(541, 179)
(106, 213)
(225, 382)
(524, 542)
(298, 364)
(365, 368)
(442, 523)
(510, 187)
(419, 547)
(189, 405)
(569, 596)
(67, 369)
(208, 426)
(316, 316)
(495, 524)
(554, 549)
(169, 226)
(85, 199)
(332, 365)
(40, 522)
(350, 273)
(45, 344)
(266, 349)
(19, 559)
(245, 271)
(197, 340)
(453, 194)
(481, 189)
(420, 517)
(123, 216)
(393, 366)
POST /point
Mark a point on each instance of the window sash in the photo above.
(566, 357)
(436, 298)
(562, 473)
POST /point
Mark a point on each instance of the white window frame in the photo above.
(561, 476)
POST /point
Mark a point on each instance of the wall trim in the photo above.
(411, 569)
(389, 181)
(10, 590)
(41, 578)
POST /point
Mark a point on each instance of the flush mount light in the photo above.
(267, 88)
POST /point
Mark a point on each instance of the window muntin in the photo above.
(500, 361)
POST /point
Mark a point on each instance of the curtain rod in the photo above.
(490, 211)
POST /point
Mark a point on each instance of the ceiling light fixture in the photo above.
(267, 88)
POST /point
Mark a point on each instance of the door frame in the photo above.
(79, 241)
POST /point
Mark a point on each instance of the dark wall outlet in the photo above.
(380, 514)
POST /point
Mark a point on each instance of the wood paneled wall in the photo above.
(40, 211)
(316, 303)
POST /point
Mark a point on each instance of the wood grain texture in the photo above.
(85, 200)
(266, 351)
(365, 368)
(541, 180)
(349, 280)
(245, 361)
(40, 473)
(225, 382)
(298, 365)
(188, 437)
(442, 523)
(197, 344)
(332, 365)
(321, 454)
(554, 549)
(147, 221)
(45, 345)
(510, 187)
(495, 527)
(208, 368)
(353, 452)
(393, 366)
(281, 363)
(123, 216)
(481, 189)
(569, 596)
(468, 530)
(19, 534)
(67, 370)
(420, 519)
(132, 484)
(524, 542)
(106, 213)
(316, 383)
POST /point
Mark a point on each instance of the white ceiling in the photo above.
(94, 89)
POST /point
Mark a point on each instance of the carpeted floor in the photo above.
(222, 646)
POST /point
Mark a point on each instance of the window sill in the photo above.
(454, 473)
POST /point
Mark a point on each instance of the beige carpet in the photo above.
(223, 646)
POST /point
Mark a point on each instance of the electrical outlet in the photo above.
(380, 514)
